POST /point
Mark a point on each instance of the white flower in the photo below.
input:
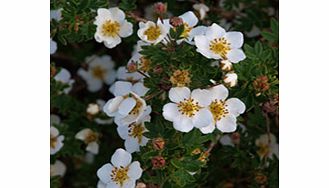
(127, 106)
(93, 108)
(267, 146)
(138, 88)
(188, 109)
(53, 46)
(90, 138)
(123, 74)
(219, 44)
(64, 76)
(56, 140)
(224, 112)
(57, 169)
(56, 14)
(202, 9)
(152, 32)
(100, 70)
(133, 133)
(121, 172)
(111, 26)
(100, 184)
(231, 79)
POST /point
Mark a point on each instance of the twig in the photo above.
(135, 17)
(213, 144)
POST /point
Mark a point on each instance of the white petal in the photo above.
(183, 124)
(201, 96)
(93, 147)
(140, 89)
(53, 46)
(110, 77)
(129, 184)
(235, 39)
(94, 84)
(235, 106)
(208, 129)
(200, 30)
(100, 184)
(135, 171)
(227, 124)
(202, 44)
(131, 145)
(122, 88)
(112, 184)
(219, 92)
(54, 131)
(121, 158)
(170, 111)
(112, 42)
(177, 94)
(102, 12)
(58, 168)
(63, 76)
(123, 131)
(81, 135)
(104, 173)
(126, 106)
(215, 31)
(112, 106)
(126, 29)
(226, 140)
(117, 14)
(202, 118)
(236, 55)
(189, 18)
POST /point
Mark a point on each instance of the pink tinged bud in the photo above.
(160, 8)
(176, 21)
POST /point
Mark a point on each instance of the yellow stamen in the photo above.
(188, 107)
(53, 142)
(152, 33)
(218, 109)
(110, 28)
(220, 46)
(119, 175)
(136, 131)
(91, 137)
(98, 72)
(187, 30)
(145, 64)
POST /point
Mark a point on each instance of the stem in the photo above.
(135, 17)
(213, 144)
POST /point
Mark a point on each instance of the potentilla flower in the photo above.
(111, 26)
(187, 110)
(226, 65)
(56, 14)
(53, 46)
(127, 106)
(267, 146)
(64, 76)
(121, 172)
(202, 9)
(230, 79)
(56, 140)
(93, 109)
(100, 70)
(224, 111)
(119, 86)
(125, 75)
(133, 133)
(216, 43)
(90, 138)
(57, 169)
(152, 32)
(180, 78)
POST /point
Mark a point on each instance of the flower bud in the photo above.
(202, 9)
(160, 8)
(196, 151)
(226, 65)
(261, 84)
(272, 105)
(158, 69)
(235, 138)
(158, 143)
(140, 185)
(261, 178)
(158, 162)
(231, 79)
(176, 21)
(93, 109)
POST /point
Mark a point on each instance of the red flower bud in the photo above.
(160, 8)
(158, 143)
(158, 162)
(176, 21)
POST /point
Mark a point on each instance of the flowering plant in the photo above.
(178, 99)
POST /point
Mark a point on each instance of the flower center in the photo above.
(119, 175)
(91, 137)
(264, 150)
(53, 142)
(145, 64)
(218, 109)
(152, 33)
(187, 30)
(110, 28)
(137, 107)
(136, 131)
(188, 107)
(180, 78)
(220, 46)
(98, 72)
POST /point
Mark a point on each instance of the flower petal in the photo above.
(112, 42)
(177, 94)
(135, 171)
(215, 31)
(126, 29)
(235, 39)
(140, 89)
(123, 132)
(227, 124)
(189, 18)
(121, 158)
(208, 129)
(183, 124)
(104, 173)
(121, 88)
(117, 14)
(236, 55)
(126, 106)
(235, 106)
(81, 135)
(131, 145)
(201, 96)
(202, 118)
(170, 111)
(219, 92)
(112, 106)
(93, 147)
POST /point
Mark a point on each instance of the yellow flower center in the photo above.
(218, 109)
(187, 30)
(110, 28)
(145, 64)
(53, 141)
(98, 72)
(152, 33)
(91, 137)
(119, 175)
(136, 131)
(137, 106)
(188, 107)
(220, 46)
(264, 150)
(180, 78)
